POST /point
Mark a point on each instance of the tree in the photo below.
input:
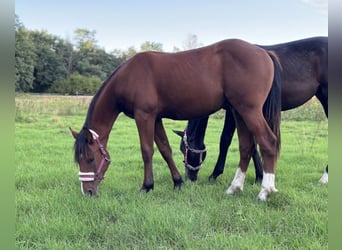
(151, 46)
(52, 56)
(76, 84)
(91, 60)
(191, 42)
(24, 58)
(85, 39)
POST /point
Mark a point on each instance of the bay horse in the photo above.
(304, 75)
(181, 86)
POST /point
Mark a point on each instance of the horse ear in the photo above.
(180, 133)
(73, 133)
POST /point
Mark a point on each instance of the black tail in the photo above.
(272, 105)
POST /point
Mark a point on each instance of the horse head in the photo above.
(93, 160)
(193, 157)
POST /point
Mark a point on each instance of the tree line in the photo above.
(46, 63)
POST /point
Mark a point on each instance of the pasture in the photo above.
(51, 213)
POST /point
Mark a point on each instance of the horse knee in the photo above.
(147, 154)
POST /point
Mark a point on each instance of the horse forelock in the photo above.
(81, 146)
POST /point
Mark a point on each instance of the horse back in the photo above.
(192, 83)
(305, 69)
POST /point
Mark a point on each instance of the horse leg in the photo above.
(267, 141)
(164, 147)
(324, 178)
(322, 95)
(246, 145)
(145, 125)
(257, 164)
(225, 141)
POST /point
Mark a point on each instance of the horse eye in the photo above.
(90, 160)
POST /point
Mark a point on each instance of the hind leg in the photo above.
(163, 145)
(246, 147)
(322, 95)
(268, 146)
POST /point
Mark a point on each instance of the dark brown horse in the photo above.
(304, 75)
(185, 85)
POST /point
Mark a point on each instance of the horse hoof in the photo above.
(234, 189)
(177, 183)
(258, 180)
(146, 188)
(324, 179)
(212, 177)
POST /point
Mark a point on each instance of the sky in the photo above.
(122, 24)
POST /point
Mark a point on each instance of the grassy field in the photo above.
(52, 214)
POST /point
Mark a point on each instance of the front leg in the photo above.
(145, 125)
(166, 151)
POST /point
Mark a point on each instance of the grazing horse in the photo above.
(304, 75)
(182, 86)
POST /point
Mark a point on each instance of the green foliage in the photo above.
(85, 39)
(24, 58)
(76, 84)
(45, 62)
(52, 214)
(52, 60)
(151, 46)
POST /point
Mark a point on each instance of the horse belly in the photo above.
(191, 105)
(296, 93)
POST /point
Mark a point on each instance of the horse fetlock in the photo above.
(237, 183)
(265, 192)
(146, 188)
(177, 183)
(267, 186)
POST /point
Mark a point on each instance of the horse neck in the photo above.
(101, 119)
(196, 132)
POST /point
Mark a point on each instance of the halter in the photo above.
(197, 151)
(92, 176)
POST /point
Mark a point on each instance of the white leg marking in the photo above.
(237, 183)
(267, 186)
(324, 178)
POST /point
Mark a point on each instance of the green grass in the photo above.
(52, 214)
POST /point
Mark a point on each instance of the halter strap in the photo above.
(92, 176)
(193, 150)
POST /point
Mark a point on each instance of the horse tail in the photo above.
(272, 105)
